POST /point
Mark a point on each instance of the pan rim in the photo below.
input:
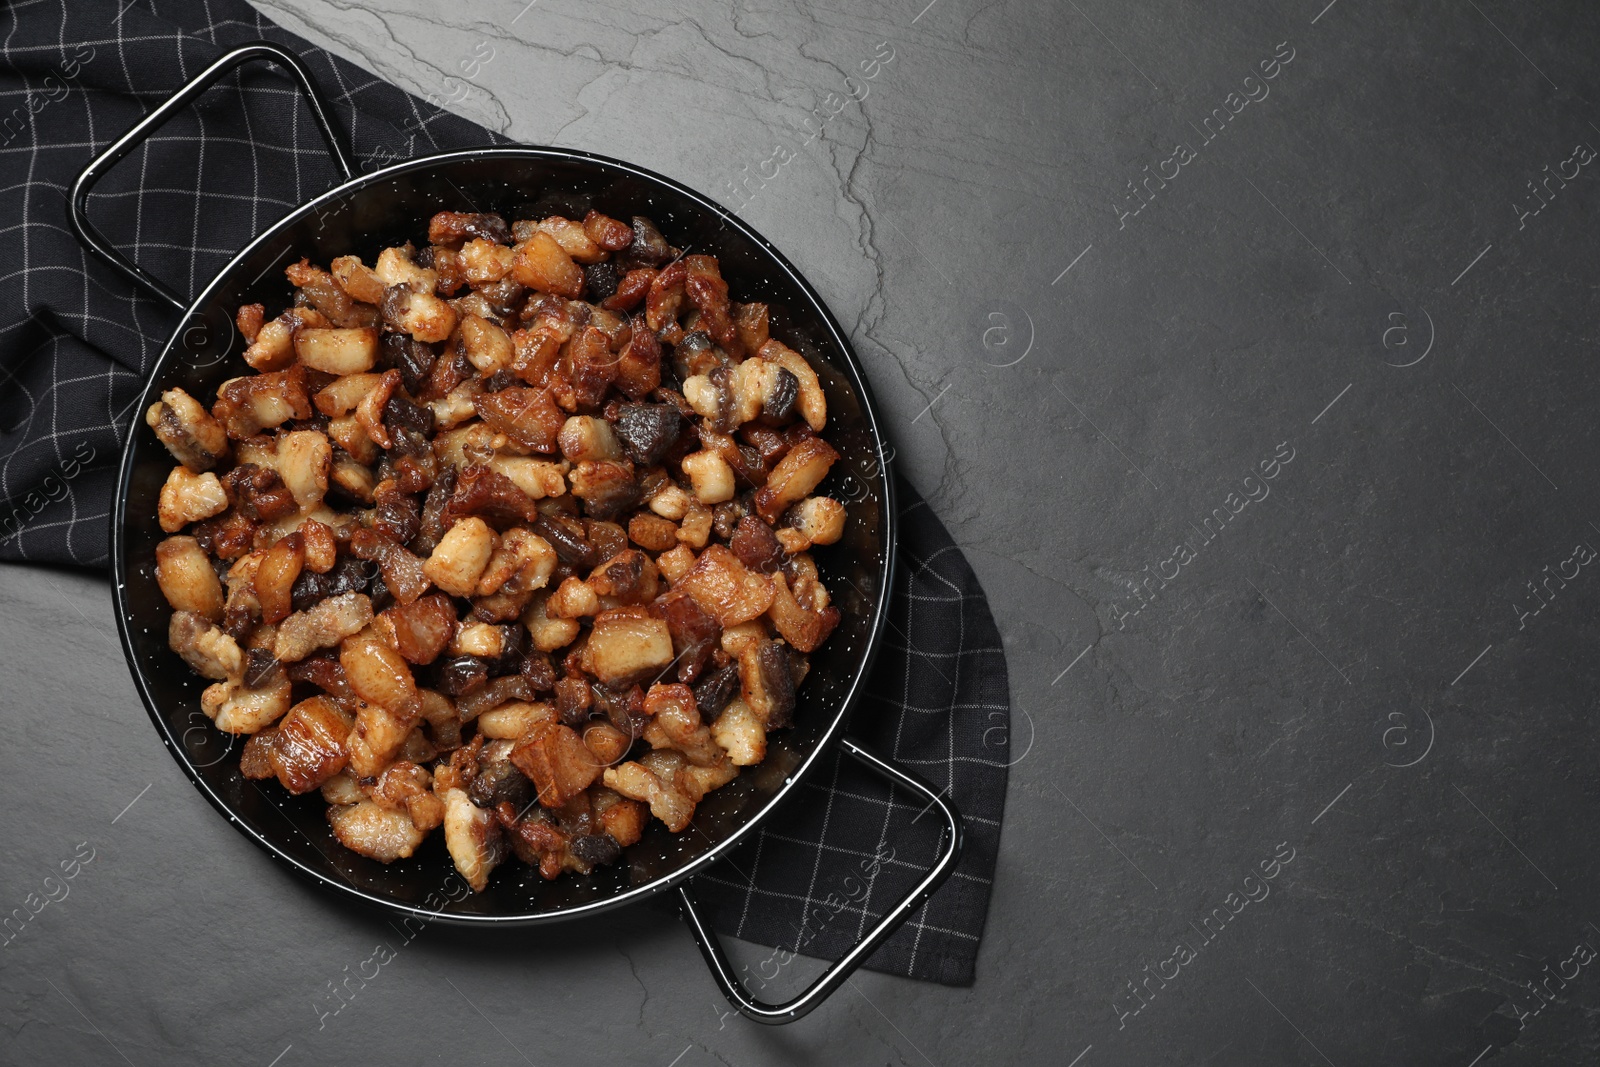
(846, 704)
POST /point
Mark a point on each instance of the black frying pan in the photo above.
(363, 214)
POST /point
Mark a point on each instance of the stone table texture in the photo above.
(1248, 351)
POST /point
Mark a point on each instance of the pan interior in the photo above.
(389, 208)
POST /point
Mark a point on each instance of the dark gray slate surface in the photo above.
(1350, 672)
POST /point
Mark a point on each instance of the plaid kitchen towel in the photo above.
(937, 704)
(76, 340)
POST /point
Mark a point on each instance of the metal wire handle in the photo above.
(831, 979)
(78, 202)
